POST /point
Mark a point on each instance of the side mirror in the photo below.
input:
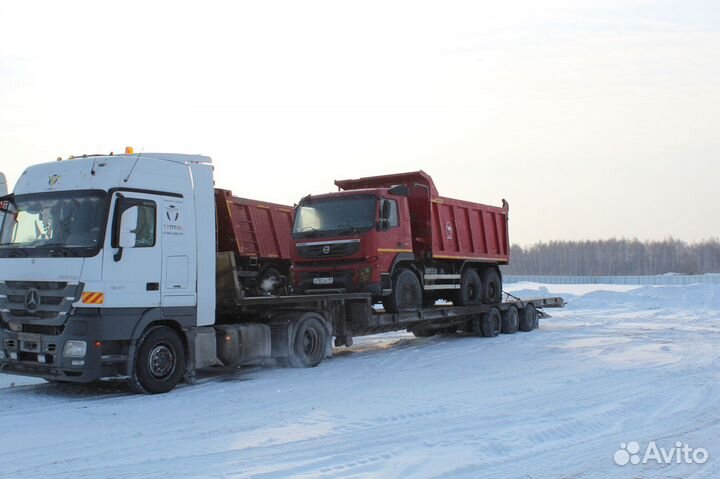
(385, 211)
(382, 224)
(128, 225)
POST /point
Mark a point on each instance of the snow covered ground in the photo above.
(619, 364)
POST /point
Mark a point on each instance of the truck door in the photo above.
(131, 274)
(179, 271)
(395, 238)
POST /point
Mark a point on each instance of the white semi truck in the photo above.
(110, 267)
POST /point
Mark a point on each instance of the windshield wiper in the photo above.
(314, 230)
(61, 250)
(349, 227)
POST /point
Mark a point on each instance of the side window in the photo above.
(393, 219)
(145, 231)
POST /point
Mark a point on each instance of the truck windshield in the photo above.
(342, 215)
(63, 223)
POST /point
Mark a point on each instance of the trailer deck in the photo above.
(354, 314)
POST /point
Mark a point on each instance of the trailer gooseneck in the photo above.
(134, 266)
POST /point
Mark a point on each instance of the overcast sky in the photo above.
(594, 119)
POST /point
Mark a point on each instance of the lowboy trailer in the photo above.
(132, 266)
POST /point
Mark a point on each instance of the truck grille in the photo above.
(40, 300)
(328, 250)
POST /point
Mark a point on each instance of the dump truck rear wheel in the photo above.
(492, 287)
(406, 293)
(528, 318)
(510, 320)
(491, 323)
(471, 288)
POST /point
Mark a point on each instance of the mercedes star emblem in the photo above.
(32, 300)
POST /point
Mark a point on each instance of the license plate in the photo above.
(29, 337)
(322, 281)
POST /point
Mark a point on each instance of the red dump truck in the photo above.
(394, 236)
(258, 235)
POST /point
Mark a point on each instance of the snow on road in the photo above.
(617, 365)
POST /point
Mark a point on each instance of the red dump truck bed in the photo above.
(445, 228)
(253, 229)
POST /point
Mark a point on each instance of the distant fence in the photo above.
(662, 279)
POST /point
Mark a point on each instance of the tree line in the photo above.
(615, 257)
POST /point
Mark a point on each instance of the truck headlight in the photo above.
(75, 349)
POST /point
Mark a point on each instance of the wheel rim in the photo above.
(161, 361)
(311, 342)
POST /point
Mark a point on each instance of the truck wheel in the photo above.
(471, 288)
(491, 323)
(406, 293)
(308, 345)
(528, 318)
(510, 320)
(492, 287)
(159, 361)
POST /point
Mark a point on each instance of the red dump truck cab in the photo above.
(396, 237)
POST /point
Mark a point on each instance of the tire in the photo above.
(159, 362)
(492, 286)
(528, 318)
(406, 293)
(510, 320)
(471, 288)
(491, 323)
(308, 345)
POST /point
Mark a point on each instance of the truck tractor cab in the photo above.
(96, 251)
